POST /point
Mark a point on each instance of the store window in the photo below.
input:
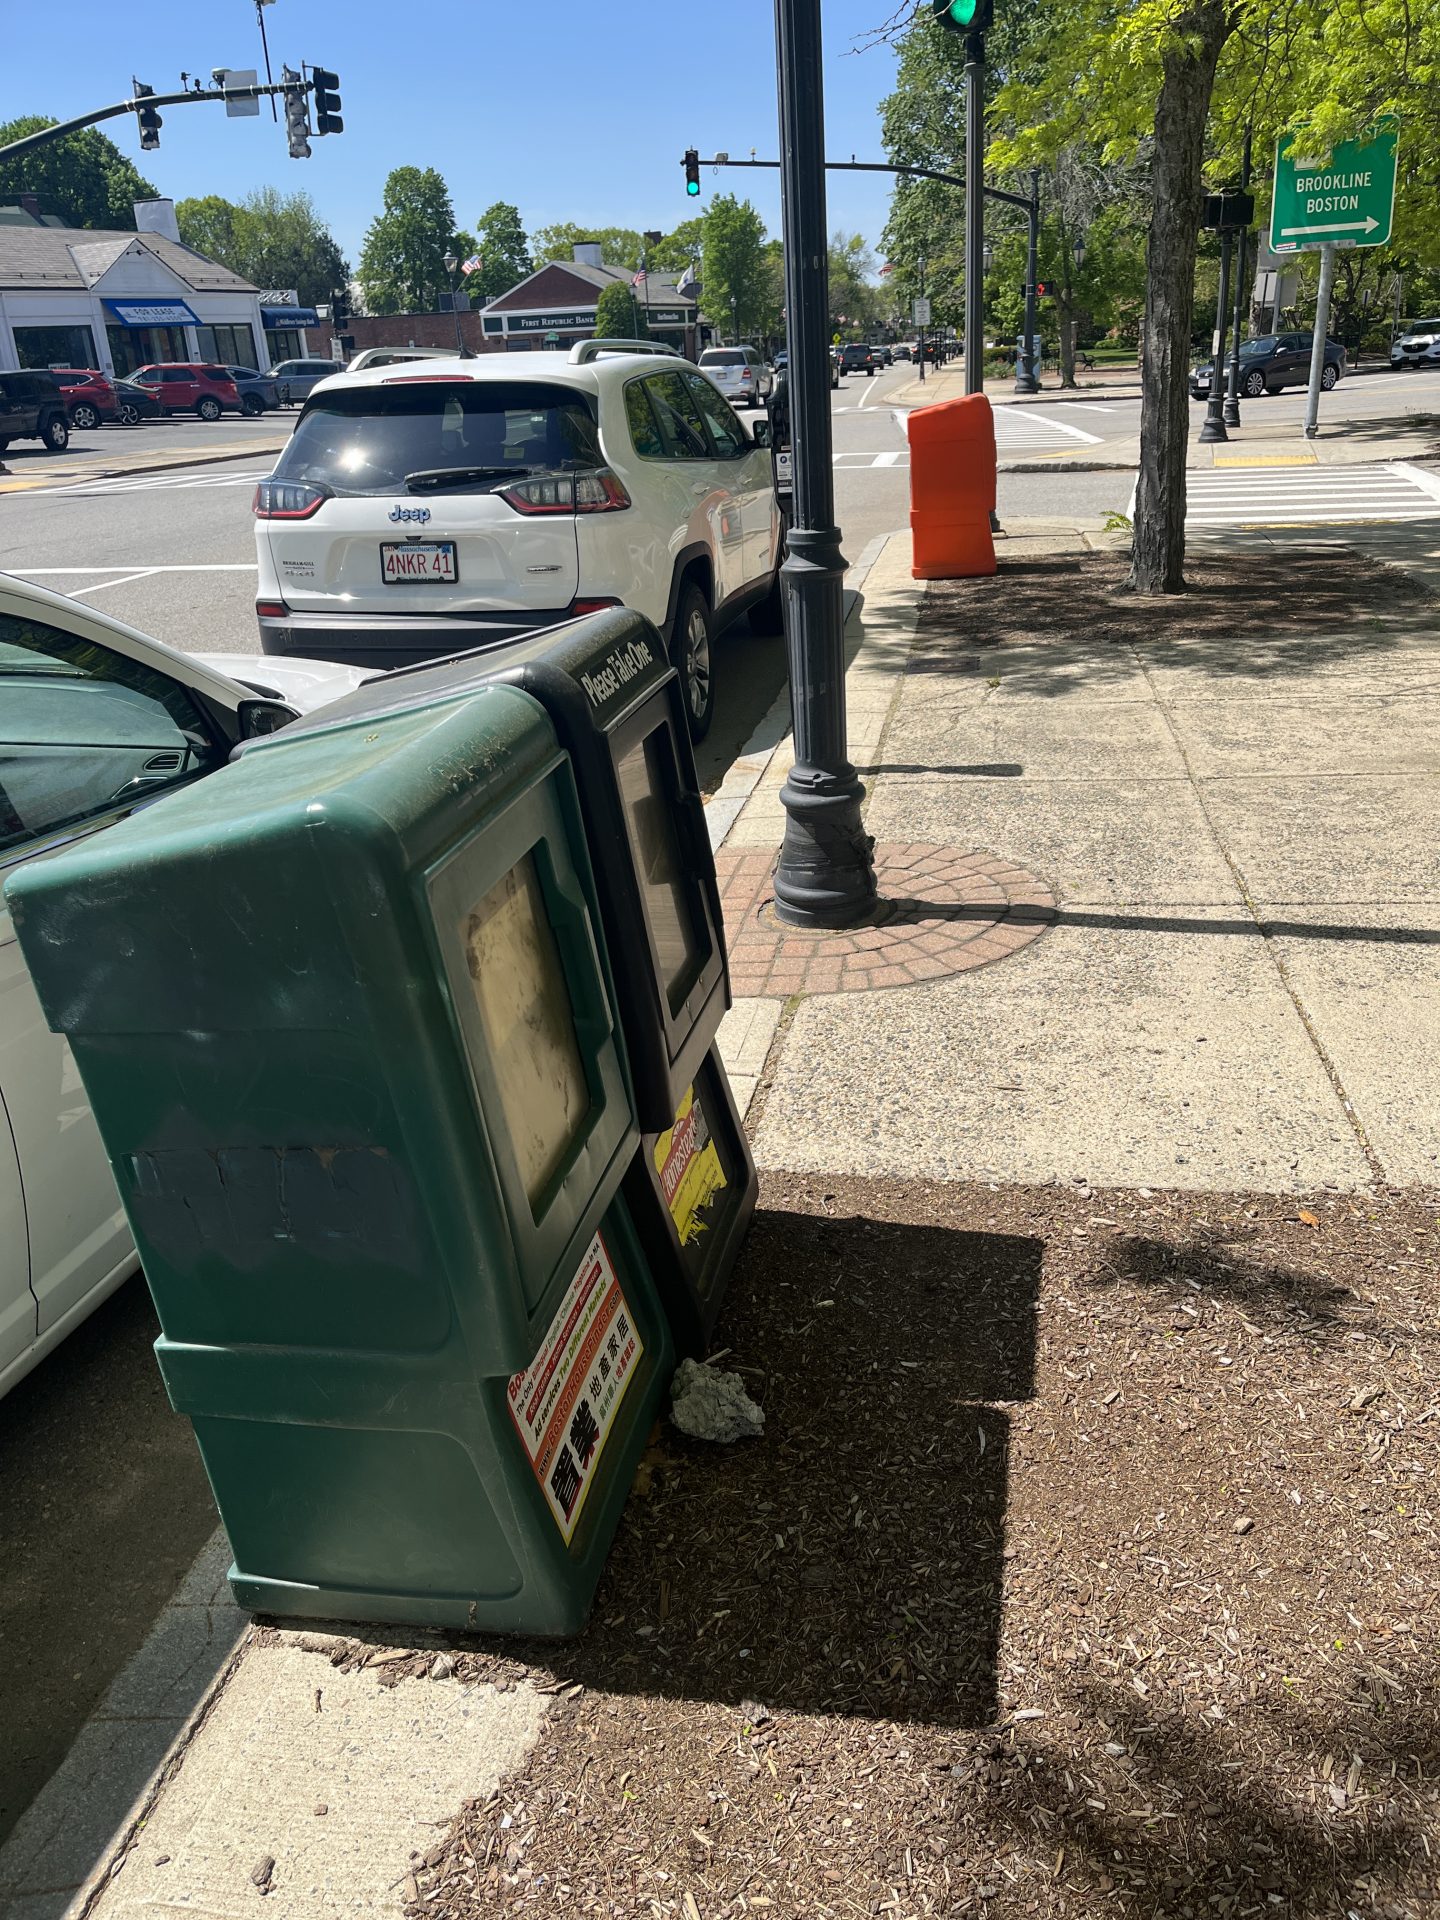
(132, 347)
(285, 343)
(56, 347)
(229, 346)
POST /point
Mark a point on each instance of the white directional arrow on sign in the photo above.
(1366, 225)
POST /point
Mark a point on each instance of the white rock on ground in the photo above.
(710, 1405)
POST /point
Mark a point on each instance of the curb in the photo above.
(64, 1848)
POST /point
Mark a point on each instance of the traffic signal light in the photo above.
(297, 115)
(327, 101)
(150, 122)
(692, 171)
(340, 309)
(963, 16)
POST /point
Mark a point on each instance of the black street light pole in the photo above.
(826, 875)
(1025, 380)
(1214, 427)
(1232, 391)
(974, 212)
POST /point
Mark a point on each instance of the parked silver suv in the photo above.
(740, 373)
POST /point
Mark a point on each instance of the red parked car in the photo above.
(190, 386)
(90, 400)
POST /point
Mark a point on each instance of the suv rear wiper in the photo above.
(462, 476)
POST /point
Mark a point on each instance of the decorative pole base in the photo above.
(826, 876)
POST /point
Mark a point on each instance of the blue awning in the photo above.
(290, 316)
(153, 313)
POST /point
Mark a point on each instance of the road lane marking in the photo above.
(102, 586)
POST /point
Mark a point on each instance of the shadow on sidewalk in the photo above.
(850, 1561)
(1056, 625)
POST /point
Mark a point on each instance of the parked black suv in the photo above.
(32, 407)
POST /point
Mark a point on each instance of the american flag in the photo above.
(639, 279)
(473, 264)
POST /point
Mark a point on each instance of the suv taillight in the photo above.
(597, 492)
(288, 500)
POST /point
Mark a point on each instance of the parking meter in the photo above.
(346, 1020)
(617, 708)
(781, 457)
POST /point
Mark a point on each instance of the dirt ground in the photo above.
(1087, 1566)
(1351, 604)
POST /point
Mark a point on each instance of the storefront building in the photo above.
(285, 321)
(78, 297)
(555, 306)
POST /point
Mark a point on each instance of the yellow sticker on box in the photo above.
(688, 1163)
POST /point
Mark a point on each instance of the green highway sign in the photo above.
(1345, 198)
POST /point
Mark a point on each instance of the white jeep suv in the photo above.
(427, 510)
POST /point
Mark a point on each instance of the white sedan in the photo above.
(95, 720)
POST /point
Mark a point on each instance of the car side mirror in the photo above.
(256, 718)
(761, 433)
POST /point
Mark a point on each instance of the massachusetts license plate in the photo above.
(783, 468)
(409, 562)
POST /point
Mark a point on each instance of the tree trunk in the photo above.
(1196, 38)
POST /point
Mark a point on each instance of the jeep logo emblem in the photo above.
(418, 514)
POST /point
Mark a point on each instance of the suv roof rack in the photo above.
(584, 351)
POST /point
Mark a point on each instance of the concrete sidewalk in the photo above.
(1239, 985)
(1173, 912)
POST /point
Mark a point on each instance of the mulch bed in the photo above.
(1087, 1566)
(1248, 604)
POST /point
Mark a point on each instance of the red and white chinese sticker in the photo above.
(565, 1402)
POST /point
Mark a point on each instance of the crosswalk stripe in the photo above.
(1311, 496)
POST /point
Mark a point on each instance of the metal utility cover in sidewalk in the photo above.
(1345, 198)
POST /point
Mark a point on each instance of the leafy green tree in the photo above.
(685, 247)
(619, 246)
(856, 303)
(402, 261)
(207, 223)
(504, 251)
(83, 177)
(617, 313)
(272, 239)
(733, 267)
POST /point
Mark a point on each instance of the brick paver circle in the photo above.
(946, 911)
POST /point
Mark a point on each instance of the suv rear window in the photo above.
(366, 440)
(722, 357)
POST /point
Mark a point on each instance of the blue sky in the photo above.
(573, 112)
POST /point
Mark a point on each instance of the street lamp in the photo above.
(450, 262)
(826, 872)
(987, 255)
(1079, 250)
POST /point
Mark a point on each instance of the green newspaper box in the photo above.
(345, 1020)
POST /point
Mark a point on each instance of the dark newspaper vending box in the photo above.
(346, 1020)
(616, 705)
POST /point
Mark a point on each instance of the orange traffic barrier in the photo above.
(952, 488)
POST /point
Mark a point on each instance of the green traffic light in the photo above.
(692, 186)
(963, 16)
